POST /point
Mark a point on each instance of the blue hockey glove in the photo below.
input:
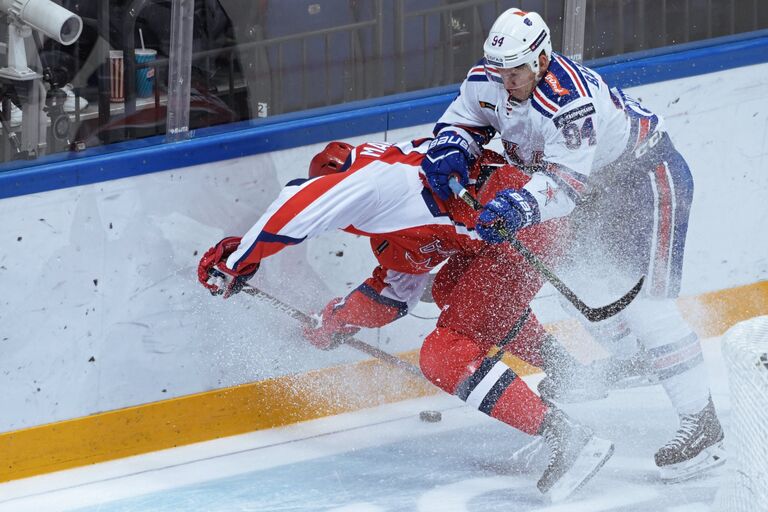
(448, 155)
(505, 214)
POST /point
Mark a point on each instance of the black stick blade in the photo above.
(597, 314)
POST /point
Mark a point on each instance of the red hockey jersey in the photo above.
(382, 195)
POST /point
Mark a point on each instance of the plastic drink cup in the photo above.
(145, 77)
(116, 93)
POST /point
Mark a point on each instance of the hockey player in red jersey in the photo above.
(600, 158)
(376, 190)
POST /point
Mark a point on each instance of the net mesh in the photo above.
(745, 352)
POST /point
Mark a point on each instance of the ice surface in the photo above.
(386, 459)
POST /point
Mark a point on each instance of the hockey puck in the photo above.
(430, 416)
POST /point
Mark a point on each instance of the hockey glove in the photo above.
(505, 214)
(448, 155)
(330, 330)
(213, 273)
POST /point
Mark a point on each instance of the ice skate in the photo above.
(526, 458)
(576, 455)
(567, 379)
(629, 373)
(572, 381)
(696, 448)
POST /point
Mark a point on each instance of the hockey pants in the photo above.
(484, 299)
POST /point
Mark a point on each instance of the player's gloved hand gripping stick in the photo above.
(349, 341)
(592, 314)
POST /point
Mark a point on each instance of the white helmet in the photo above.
(517, 37)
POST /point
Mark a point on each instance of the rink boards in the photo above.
(111, 348)
(275, 402)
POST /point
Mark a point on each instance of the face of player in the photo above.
(520, 81)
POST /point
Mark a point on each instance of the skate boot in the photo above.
(697, 447)
(530, 456)
(628, 373)
(576, 454)
(568, 380)
(571, 381)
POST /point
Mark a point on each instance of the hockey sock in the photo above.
(519, 407)
(615, 336)
(675, 353)
(459, 366)
(680, 366)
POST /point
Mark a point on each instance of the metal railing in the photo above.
(372, 48)
(434, 43)
(622, 26)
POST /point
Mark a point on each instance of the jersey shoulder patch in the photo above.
(564, 83)
(573, 114)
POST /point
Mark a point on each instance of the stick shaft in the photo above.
(352, 342)
(592, 314)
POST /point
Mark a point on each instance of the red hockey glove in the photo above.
(212, 271)
(331, 329)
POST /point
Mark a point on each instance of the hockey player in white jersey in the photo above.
(596, 155)
(376, 190)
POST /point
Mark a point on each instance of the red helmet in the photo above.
(330, 160)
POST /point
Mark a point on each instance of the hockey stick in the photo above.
(352, 342)
(592, 314)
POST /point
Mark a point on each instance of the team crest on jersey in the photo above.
(550, 194)
(512, 150)
(429, 250)
(485, 104)
(554, 83)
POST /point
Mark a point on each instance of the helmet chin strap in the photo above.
(514, 100)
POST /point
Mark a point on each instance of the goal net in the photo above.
(745, 352)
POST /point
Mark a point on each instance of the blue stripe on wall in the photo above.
(680, 61)
(149, 155)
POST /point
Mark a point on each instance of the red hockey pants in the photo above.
(484, 298)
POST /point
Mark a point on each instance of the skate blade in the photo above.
(591, 458)
(527, 458)
(709, 458)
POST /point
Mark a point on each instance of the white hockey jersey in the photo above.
(571, 125)
(380, 196)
